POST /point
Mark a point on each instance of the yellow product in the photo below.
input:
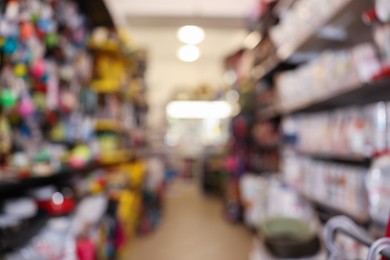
(57, 133)
(126, 37)
(135, 172)
(119, 156)
(106, 46)
(108, 125)
(96, 187)
(106, 85)
(134, 88)
(128, 211)
(5, 135)
(109, 67)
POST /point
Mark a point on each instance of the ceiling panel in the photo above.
(181, 8)
(163, 44)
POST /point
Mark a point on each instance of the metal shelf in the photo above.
(23, 236)
(356, 159)
(363, 94)
(358, 217)
(18, 186)
(347, 17)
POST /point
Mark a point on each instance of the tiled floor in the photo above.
(193, 228)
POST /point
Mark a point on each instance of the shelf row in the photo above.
(372, 92)
(361, 217)
(346, 15)
(10, 187)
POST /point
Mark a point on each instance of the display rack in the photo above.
(347, 17)
(98, 170)
(338, 157)
(359, 217)
(344, 16)
(372, 92)
(13, 187)
(21, 238)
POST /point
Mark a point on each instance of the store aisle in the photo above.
(193, 228)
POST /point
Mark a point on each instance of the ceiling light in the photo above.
(191, 34)
(188, 53)
(199, 109)
(252, 40)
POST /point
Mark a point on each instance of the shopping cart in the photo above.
(351, 229)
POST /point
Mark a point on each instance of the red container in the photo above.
(53, 208)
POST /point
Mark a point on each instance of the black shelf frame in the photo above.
(344, 16)
(364, 94)
(97, 13)
(18, 186)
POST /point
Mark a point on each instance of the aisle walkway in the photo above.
(193, 228)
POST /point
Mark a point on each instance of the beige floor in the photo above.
(193, 228)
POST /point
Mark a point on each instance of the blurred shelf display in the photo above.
(314, 20)
(97, 13)
(340, 157)
(355, 131)
(315, 106)
(108, 125)
(333, 185)
(335, 26)
(372, 91)
(72, 123)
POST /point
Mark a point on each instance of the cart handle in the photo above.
(378, 247)
(349, 228)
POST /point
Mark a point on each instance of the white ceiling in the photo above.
(202, 8)
(153, 24)
(162, 43)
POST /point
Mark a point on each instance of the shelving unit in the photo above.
(325, 101)
(344, 16)
(12, 187)
(355, 159)
(65, 119)
(21, 238)
(359, 217)
(372, 92)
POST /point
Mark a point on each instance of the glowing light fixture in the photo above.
(191, 34)
(199, 109)
(188, 53)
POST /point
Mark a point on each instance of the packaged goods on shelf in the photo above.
(45, 76)
(335, 185)
(259, 194)
(253, 191)
(352, 248)
(307, 15)
(378, 180)
(265, 134)
(330, 74)
(264, 160)
(68, 111)
(102, 211)
(264, 95)
(354, 131)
